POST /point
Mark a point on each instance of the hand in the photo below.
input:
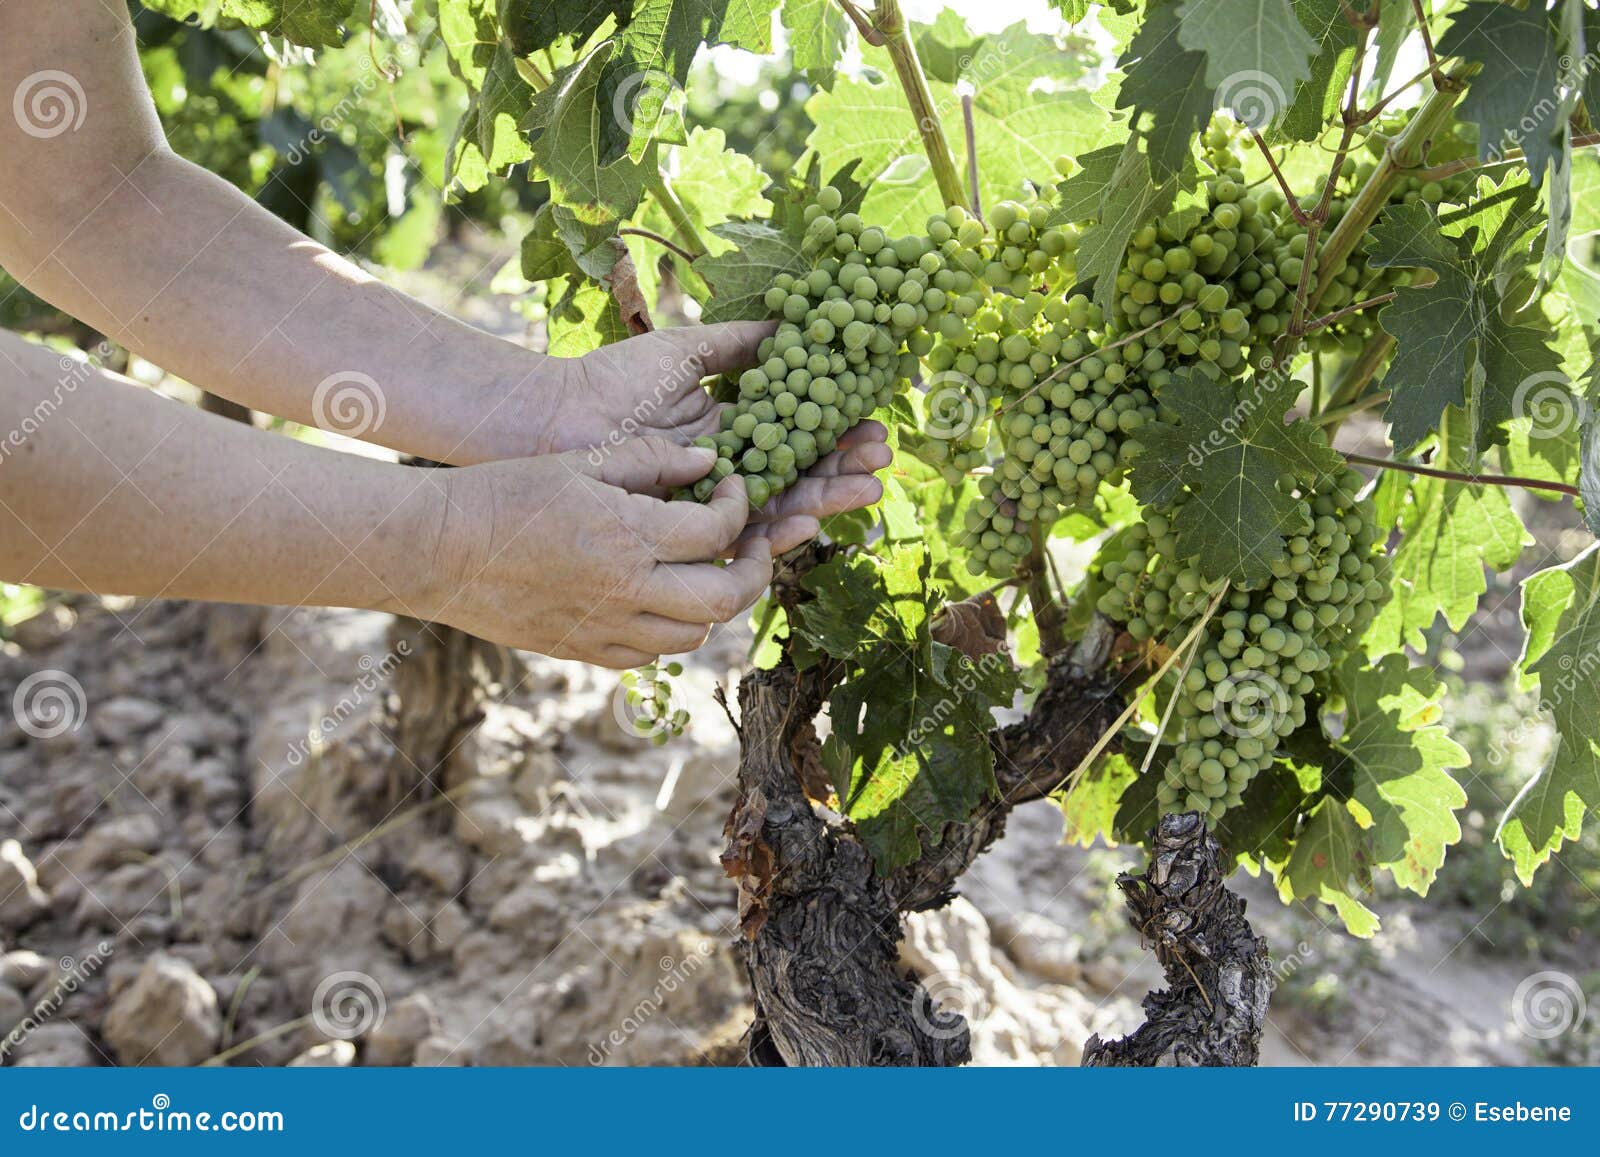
(568, 555)
(650, 386)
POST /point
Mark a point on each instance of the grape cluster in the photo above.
(1261, 653)
(839, 352)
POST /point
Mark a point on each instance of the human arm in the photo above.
(108, 488)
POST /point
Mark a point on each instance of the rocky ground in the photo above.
(228, 858)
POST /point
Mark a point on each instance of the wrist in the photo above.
(505, 407)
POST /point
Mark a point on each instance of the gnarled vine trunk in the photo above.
(822, 929)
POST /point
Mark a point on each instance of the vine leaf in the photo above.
(1403, 794)
(531, 25)
(1164, 84)
(1518, 84)
(1248, 44)
(310, 23)
(560, 121)
(1550, 808)
(740, 277)
(488, 138)
(1117, 192)
(910, 722)
(1452, 338)
(1227, 446)
(655, 44)
(1331, 862)
(1318, 99)
(1449, 531)
(817, 35)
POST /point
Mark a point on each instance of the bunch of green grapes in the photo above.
(1262, 653)
(839, 353)
(1221, 290)
(997, 535)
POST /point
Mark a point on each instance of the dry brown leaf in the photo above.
(974, 626)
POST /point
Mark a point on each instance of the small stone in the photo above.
(167, 1016)
(395, 1039)
(438, 1052)
(22, 901)
(125, 718)
(22, 969)
(117, 840)
(54, 1046)
(333, 1054)
(12, 1009)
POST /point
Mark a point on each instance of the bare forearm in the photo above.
(181, 267)
(105, 222)
(105, 487)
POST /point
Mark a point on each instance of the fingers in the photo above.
(824, 497)
(691, 532)
(720, 348)
(643, 464)
(865, 431)
(620, 658)
(663, 636)
(860, 458)
(785, 533)
(706, 593)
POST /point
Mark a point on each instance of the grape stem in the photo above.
(1506, 480)
(664, 242)
(1045, 611)
(863, 24)
(1427, 37)
(972, 155)
(891, 26)
(1335, 415)
(1328, 319)
(667, 198)
(1509, 157)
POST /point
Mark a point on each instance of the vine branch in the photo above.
(1506, 480)
(664, 242)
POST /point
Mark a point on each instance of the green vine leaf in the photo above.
(1166, 89)
(1331, 862)
(1449, 531)
(1452, 338)
(1257, 52)
(1318, 100)
(1226, 446)
(909, 745)
(818, 32)
(1514, 98)
(1550, 808)
(740, 276)
(1403, 794)
(561, 122)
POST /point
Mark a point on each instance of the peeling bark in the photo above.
(1217, 968)
(822, 930)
